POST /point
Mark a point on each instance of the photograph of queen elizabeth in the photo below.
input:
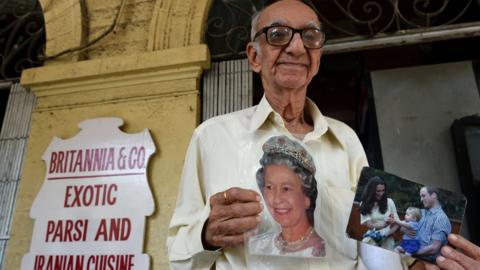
(287, 182)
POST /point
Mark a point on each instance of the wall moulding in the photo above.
(112, 95)
(101, 77)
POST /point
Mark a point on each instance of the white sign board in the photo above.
(91, 209)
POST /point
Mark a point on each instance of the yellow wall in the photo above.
(147, 73)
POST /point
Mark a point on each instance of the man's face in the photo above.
(292, 66)
(427, 199)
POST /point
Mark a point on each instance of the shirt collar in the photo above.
(435, 209)
(261, 114)
(264, 110)
(320, 124)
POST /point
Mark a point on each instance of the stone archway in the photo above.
(65, 25)
(173, 24)
(178, 23)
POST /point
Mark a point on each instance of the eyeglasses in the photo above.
(279, 35)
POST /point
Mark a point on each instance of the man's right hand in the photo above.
(233, 212)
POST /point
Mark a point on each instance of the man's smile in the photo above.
(293, 64)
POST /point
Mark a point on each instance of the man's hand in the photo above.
(410, 232)
(233, 212)
(454, 259)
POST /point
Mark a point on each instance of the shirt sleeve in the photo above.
(185, 248)
(441, 229)
(415, 225)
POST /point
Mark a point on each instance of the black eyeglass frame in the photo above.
(265, 29)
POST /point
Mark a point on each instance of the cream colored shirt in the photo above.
(225, 151)
(379, 218)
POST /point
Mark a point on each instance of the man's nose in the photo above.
(296, 44)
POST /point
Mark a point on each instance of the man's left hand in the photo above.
(450, 258)
(410, 232)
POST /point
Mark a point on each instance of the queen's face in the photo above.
(284, 196)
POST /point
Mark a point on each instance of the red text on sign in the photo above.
(97, 159)
(114, 229)
(80, 262)
(90, 195)
(66, 230)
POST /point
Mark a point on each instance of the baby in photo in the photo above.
(410, 244)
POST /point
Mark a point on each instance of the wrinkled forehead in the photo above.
(291, 13)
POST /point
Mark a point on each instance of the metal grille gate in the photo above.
(13, 141)
(227, 87)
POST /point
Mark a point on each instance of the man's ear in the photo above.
(252, 55)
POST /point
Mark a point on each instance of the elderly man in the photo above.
(434, 226)
(219, 201)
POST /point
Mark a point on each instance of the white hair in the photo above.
(253, 30)
(254, 25)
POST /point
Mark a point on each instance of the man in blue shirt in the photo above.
(434, 226)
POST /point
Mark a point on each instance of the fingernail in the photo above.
(453, 237)
(440, 259)
(447, 250)
(259, 219)
(258, 198)
(261, 206)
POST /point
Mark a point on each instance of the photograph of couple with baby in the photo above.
(404, 216)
